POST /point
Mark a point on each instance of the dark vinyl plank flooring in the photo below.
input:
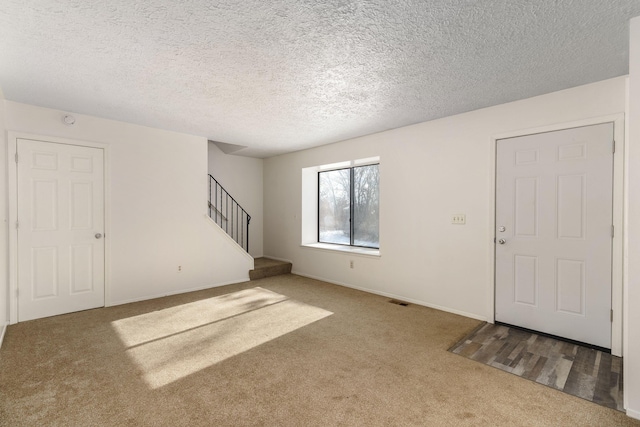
(580, 371)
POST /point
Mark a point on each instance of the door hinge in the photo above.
(613, 231)
(16, 157)
(17, 225)
(614, 146)
(611, 315)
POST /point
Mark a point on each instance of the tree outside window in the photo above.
(348, 206)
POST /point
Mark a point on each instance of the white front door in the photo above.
(554, 207)
(60, 228)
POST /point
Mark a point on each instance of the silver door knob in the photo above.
(98, 236)
(502, 241)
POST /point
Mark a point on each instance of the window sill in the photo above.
(340, 248)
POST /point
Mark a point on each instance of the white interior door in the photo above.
(60, 228)
(554, 204)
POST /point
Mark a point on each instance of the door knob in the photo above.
(502, 241)
(98, 236)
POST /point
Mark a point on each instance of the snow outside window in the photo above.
(348, 206)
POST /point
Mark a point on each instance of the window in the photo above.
(348, 206)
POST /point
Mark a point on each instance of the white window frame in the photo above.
(309, 208)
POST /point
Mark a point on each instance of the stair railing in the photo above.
(225, 211)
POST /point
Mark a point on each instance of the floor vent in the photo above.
(398, 302)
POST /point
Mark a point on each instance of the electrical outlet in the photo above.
(351, 264)
(459, 219)
(179, 268)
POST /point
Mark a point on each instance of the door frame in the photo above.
(617, 269)
(12, 182)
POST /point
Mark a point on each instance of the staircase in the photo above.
(267, 267)
(225, 211)
(228, 214)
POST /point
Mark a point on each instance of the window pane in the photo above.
(365, 206)
(333, 215)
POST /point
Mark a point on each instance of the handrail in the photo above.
(225, 210)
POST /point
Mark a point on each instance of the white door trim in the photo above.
(12, 149)
(618, 216)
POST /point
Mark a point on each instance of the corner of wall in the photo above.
(632, 291)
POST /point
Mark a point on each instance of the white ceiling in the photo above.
(284, 75)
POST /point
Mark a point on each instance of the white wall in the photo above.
(242, 178)
(158, 205)
(428, 172)
(632, 289)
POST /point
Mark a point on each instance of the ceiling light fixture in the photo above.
(68, 120)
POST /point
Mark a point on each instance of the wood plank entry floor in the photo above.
(580, 371)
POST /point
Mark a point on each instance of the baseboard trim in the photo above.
(633, 414)
(390, 295)
(183, 291)
(2, 332)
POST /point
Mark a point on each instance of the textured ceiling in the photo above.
(284, 75)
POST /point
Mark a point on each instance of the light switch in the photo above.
(459, 219)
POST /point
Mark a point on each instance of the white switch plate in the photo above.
(459, 219)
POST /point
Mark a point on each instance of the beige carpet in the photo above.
(284, 350)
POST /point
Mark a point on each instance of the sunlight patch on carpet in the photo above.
(175, 342)
(160, 324)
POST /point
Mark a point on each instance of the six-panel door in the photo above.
(61, 227)
(554, 201)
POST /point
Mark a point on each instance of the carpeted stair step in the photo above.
(267, 267)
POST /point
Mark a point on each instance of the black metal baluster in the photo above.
(248, 221)
(242, 229)
(239, 233)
